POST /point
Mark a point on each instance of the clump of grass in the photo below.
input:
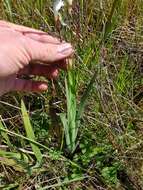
(71, 120)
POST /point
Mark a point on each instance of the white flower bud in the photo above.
(58, 4)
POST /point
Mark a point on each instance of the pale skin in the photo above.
(26, 51)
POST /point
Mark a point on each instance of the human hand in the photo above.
(20, 47)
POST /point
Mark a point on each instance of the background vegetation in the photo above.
(86, 132)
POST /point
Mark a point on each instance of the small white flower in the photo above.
(58, 4)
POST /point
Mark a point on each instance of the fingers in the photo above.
(38, 51)
(39, 45)
(19, 28)
(34, 34)
(40, 70)
(63, 64)
(44, 38)
(29, 86)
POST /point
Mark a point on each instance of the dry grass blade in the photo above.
(60, 184)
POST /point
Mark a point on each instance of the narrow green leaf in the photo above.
(70, 84)
(85, 97)
(64, 122)
(108, 25)
(7, 4)
(4, 135)
(30, 132)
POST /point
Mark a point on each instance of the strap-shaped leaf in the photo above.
(30, 132)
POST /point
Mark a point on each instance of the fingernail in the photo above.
(43, 87)
(65, 49)
(55, 73)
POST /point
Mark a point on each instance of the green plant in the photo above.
(71, 120)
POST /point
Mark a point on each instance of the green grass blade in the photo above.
(7, 4)
(4, 135)
(108, 24)
(85, 97)
(64, 122)
(30, 132)
(70, 84)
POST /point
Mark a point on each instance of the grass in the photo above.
(88, 133)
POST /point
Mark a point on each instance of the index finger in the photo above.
(35, 34)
